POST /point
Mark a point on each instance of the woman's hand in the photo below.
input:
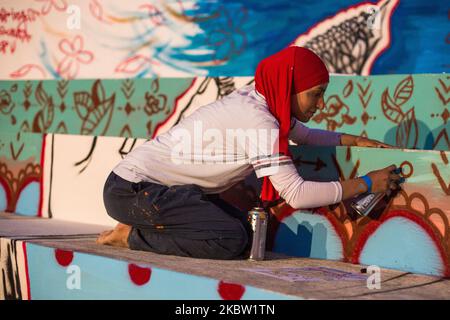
(351, 140)
(385, 179)
(364, 142)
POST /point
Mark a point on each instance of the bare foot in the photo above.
(117, 237)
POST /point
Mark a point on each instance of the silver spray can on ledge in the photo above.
(258, 220)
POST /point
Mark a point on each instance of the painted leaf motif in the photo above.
(155, 85)
(6, 102)
(41, 96)
(404, 91)
(44, 117)
(348, 89)
(99, 115)
(407, 131)
(38, 122)
(83, 103)
(98, 93)
(99, 119)
(390, 109)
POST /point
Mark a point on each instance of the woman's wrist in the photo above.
(368, 183)
(353, 187)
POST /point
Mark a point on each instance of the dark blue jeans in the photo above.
(178, 220)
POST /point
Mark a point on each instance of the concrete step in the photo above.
(59, 264)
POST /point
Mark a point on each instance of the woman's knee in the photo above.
(233, 246)
(117, 210)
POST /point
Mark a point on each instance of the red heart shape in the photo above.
(231, 291)
(139, 275)
(63, 257)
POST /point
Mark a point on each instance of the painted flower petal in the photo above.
(78, 43)
(85, 57)
(66, 47)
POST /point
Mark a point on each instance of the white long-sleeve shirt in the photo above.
(221, 143)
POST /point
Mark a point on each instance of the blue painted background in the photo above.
(419, 33)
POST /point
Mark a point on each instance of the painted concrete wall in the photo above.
(53, 39)
(76, 275)
(20, 172)
(62, 175)
(409, 231)
(59, 135)
(408, 111)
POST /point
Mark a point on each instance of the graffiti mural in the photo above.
(85, 82)
(388, 108)
(20, 172)
(93, 107)
(72, 187)
(95, 39)
(350, 41)
(144, 108)
(409, 231)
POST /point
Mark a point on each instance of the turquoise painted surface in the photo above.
(402, 244)
(20, 146)
(408, 111)
(20, 157)
(316, 163)
(28, 201)
(3, 199)
(128, 108)
(106, 278)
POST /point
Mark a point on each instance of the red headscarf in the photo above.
(287, 72)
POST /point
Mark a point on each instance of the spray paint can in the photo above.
(258, 220)
(363, 206)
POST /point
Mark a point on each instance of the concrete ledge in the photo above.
(50, 259)
(280, 276)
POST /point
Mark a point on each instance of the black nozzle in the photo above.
(397, 170)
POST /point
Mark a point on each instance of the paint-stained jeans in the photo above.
(178, 220)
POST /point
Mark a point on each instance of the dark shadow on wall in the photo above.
(404, 136)
(438, 139)
(308, 241)
(315, 163)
